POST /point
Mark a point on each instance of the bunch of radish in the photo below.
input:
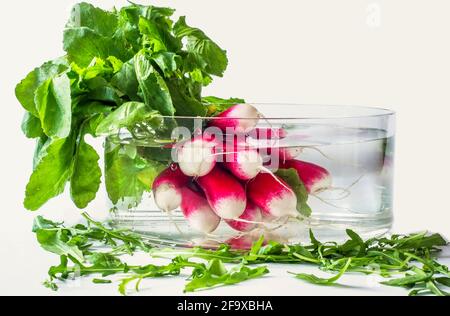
(225, 178)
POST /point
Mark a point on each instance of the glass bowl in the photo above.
(353, 144)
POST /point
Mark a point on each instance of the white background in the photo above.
(393, 54)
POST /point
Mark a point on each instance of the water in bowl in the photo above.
(360, 161)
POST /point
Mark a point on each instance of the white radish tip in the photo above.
(284, 205)
(250, 163)
(248, 115)
(167, 197)
(196, 158)
(204, 220)
(230, 208)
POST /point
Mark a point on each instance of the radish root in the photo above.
(172, 221)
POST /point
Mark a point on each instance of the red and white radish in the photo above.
(197, 157)
(248, 220)
(315, 178)
(240, 118)
(197, 211)
(242, 161)
(272, 195)
(167, 188)
(224, 193)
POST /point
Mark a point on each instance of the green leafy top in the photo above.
(122, 68)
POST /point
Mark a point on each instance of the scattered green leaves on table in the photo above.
(77, 245)
(311, 278)
(95, 249)
(215, 274)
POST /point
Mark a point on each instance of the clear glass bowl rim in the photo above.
(372, 112)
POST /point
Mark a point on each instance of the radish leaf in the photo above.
(291, 177)
(85, 179)
(321, 281)
(206, 54)
(123, 176)
(153, 87)
(208, 277)
(31, 126)
(129, 66)
(52, 171)
(54, 106)
(127, 115)
(25, 90)
(125, 81)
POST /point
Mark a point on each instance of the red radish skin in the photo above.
(224, 193)
(240, 118)
(197, 157)
(250, 219)
(268, 133)
(167, 188)
(272, 195)
(197, 211)
(315, 178)
(243, 161)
